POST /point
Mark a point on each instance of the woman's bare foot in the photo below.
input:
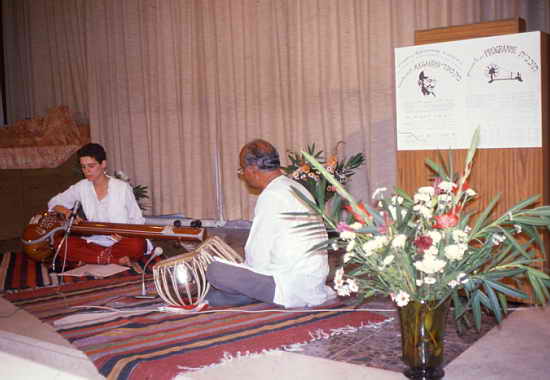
(125, 261)
(129, 263)
(136, 267)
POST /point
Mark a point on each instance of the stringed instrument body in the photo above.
(38, 236)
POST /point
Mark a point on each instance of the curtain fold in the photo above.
(45, 57)
(174, 88)
(147, 98)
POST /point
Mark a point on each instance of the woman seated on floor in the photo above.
(103, 199)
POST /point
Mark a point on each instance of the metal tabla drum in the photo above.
(181, 280)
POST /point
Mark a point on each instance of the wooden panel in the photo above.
(463, 32)
(24, 193)
(11, 203)
(515, 173)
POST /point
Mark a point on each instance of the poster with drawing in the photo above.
(445, 91)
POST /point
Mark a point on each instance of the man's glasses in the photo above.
(240, 171)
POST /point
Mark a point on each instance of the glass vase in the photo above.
(422, 332)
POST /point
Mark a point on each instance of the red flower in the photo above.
(358, 217)
(446, 221)
(465, 187)
(423, 243)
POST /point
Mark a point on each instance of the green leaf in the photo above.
(504, 302)
(498, 274)
(481, 219)
(476, 308)
(436, 168)
(493, 300)
(473, 147)
(531, 220)
(324, 245)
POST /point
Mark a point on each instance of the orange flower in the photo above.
(445, 221)
(332, 161)
(305, 168)
(358, 217)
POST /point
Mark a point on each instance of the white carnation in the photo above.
(396, 200)
(429, 280)
(388, 260)
(435, 235)
(446, 186)
(356, 226)
(422, 198)
(348, 256)
(430, 264)
(347, 235)
(424, 211)
(352, 284)
(462, 278)
(399, 241)
(377, 191)
(455, 251)
(444, 199)
(460, 236)
(453, 283)
(426, 190)
(432, 251)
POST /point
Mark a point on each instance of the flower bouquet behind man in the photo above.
(311, 178)
(430, 247)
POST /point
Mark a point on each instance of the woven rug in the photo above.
(19, 272)
(131, 339)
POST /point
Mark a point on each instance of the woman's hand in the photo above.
(66, 212)
(116, 237)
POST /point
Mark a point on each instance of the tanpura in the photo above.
(38, 235)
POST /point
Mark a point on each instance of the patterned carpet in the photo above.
(379, 347)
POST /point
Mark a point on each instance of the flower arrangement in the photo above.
(311, 178)
(140, 191)
(429, 247)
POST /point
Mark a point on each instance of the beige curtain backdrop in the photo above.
(45, 57)
(174, 88)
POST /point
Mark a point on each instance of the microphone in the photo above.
(68, 224)
(74, 212)
(156, 252)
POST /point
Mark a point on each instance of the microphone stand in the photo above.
(156, 252)
(69, 225)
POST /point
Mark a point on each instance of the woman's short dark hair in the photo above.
(92, 150)
(261, 154)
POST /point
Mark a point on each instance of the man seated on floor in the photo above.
(278, 268)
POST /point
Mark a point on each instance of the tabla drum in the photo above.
(181, 280)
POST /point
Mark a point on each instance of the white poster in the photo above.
(445, 91)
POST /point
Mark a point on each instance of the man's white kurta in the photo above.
(276, 247)
(119, 206)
